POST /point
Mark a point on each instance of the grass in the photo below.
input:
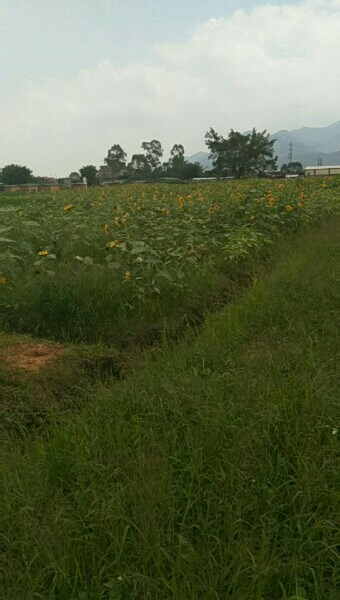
(40, 379)
(211, 472)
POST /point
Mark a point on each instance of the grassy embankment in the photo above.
(209, 473)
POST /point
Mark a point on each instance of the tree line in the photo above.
(236, 155)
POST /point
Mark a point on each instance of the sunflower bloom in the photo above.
(180, 202)
(127, 275)
(68, 207)
(112, 244)
(43, 253)
(3, 280)
(289, 207)
(106, 229)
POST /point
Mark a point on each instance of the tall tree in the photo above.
(240, 154)
(177, 160)
(74, 176)
(217, 145)
(138, 167)
(116, 160)
(191, 170)
(16, 174)
(261, 152)
(90, 172)
(295, 168)
(154, 153)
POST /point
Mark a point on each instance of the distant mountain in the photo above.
(310, 145)
(308, 159)
(202, 158)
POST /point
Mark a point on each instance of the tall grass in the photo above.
(211, 473)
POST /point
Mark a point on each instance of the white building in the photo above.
(323, 170)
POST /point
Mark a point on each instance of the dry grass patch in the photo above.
(31, 357)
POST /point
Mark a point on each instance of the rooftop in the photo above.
(323, 167)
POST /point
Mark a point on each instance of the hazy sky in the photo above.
(77, 76)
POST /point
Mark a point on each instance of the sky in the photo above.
(77, 76)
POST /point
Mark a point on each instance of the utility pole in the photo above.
(290, 157)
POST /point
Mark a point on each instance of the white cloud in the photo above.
(274, 67)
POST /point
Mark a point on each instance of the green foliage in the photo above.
(31, 399)
(16, 174)
(139, 168)
(191, 170)
(241, 154)
(153, 155)
(180, 168)
(74, 177)
(116, 160)
(112, 263)
(295, 168)
(177, 161)
(210, 473)
(148, 166)
(90, 172)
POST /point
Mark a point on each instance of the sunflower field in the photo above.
(90, 265)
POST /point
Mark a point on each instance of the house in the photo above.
(322, 170)
(105, 174)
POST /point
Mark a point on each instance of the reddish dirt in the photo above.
(31, 357)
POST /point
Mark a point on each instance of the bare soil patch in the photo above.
(31, 357)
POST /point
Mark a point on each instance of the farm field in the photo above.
(211, 472)
(208, 468)
(116, 265)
